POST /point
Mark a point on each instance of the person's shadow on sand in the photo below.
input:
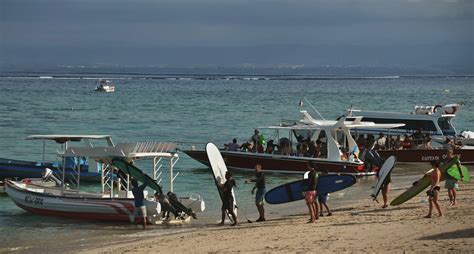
(464, 233)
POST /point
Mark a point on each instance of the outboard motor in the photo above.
(48, 175)
(179, 206)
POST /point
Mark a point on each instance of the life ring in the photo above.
(436, 108)
(453, 110)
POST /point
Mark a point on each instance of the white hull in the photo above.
(37, 201)
(88, 206)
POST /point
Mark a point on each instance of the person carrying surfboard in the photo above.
(259, 181)
(385, 189)
(433, 192)
(451, 182)
(311, 195)
(227, 198)
(139, 197)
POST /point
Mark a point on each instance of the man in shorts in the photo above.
(311, 195)
(140, 209)
(433, 192)
(260, 186)
(451, 182)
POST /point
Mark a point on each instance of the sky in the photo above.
(235, 32)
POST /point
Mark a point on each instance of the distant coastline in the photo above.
(243, 71)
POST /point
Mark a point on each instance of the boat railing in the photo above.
(147, 148)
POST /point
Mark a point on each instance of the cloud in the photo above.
(233, 23)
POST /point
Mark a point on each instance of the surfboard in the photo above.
(384, 172)
(293, 191)
(454, 172)
(422, 184)
(218, 169)
(136, 173)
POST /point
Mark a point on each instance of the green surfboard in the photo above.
(136, 173)
(422, 184)
(454, 172)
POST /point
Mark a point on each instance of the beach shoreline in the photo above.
(360, 227)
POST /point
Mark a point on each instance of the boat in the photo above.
(47, 180)
(468, 138)
(103, 85)
(433, 120)
(20, 169)
(339, 156)
(115, 200)
(429, 129)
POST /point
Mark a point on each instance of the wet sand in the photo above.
(361, 227)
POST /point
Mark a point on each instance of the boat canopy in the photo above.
(61, 139)
(342, 123)
(125, 150)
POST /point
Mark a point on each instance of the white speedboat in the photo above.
(115, 201)
(103, 85)
(433, 120)
(423, 125)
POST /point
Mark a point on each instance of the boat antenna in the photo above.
(306, 99)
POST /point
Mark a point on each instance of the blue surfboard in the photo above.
(293, 191)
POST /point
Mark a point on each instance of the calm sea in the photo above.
(188, 110)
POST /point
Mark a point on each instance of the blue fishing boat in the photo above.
(21, 169)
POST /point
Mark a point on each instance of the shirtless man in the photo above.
(433, 192)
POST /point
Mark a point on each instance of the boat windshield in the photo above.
(446, 126)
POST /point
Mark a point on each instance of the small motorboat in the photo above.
(103, 85)
(114, 201)
(48, 180)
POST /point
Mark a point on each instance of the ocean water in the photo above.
(186, 110)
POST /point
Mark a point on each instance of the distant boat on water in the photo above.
(103, 85)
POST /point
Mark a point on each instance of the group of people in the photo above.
(314, 201)
(416, 141)
(435, 186)
(258, 144)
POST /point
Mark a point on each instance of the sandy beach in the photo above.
(361, 227)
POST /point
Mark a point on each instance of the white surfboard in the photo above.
(218, 168)
(306, 175)
(384, 171)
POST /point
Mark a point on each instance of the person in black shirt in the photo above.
(260, 186)
(227, 198)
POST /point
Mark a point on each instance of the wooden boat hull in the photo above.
(427, 155)
(278, 163)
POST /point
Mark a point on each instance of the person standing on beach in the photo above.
(311, 195)
(227, 198)
(322, 200)
(139, 198)
(260, 186)
(433, 192)
(385, 189)
(451, 182)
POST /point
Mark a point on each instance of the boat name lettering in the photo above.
(33, 200)
(429, 158)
